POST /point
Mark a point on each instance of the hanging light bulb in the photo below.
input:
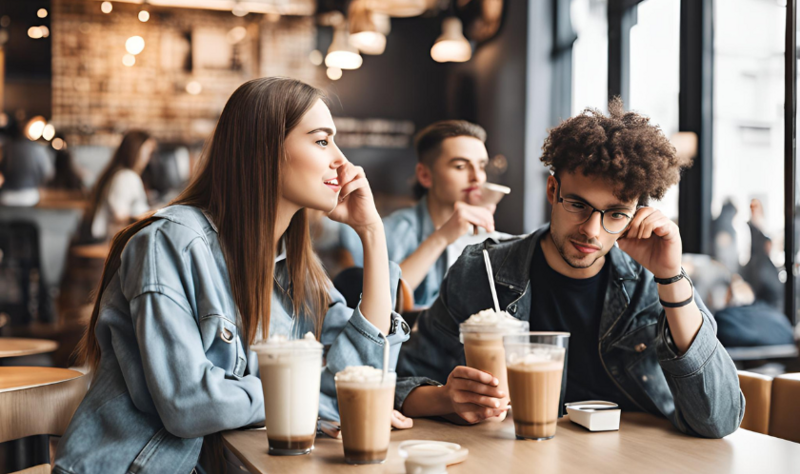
(341, 53)
(451, 46)
(134, 44)
(144, 15)
(364, 34)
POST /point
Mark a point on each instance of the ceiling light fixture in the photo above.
(451, 46)
(364, 33)
(341, 53)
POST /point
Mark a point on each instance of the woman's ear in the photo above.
(552, 188)
(424, 176)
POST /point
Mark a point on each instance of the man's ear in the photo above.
(552, 188)
(424, 176)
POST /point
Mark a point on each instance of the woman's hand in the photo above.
(400, 421)
(474, 395)
(356, 206)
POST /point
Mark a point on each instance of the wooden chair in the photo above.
(407, 303)
(38, 401)
(784, 420)
(757, 390)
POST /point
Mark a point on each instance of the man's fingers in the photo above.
(478, 388)
(464, 397)
(469, 373)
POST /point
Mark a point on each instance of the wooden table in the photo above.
(20, 346)
(23, 378)
(643, 444)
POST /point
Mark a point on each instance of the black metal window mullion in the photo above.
(695, 114)
(622, 16)
(789, 169)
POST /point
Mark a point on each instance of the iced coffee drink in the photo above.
(290, 376)
(534, 378)
(365, 401)
(482, 335)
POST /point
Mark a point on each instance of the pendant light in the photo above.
(365, 33)
(451, 46)
(341, 54)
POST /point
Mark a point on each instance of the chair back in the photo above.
(757, 390)
(784, 420)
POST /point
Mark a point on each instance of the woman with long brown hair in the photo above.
(187, 291)
(118, 195)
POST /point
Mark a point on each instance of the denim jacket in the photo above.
(174, 368)
(698, 390)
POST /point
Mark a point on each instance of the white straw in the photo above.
(491, 280)
(385, 358)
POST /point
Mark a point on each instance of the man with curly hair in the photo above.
(607, 269)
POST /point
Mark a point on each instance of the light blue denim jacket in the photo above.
(406, 229)
(173, 367)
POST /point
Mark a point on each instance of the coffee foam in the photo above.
(490, 317)
(359, 374)
(548, 360)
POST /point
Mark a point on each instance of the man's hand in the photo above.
(655, 242)
(474, 395)
(462, 220)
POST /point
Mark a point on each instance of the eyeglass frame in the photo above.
(602, 212)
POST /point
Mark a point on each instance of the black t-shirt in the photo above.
(560, 303)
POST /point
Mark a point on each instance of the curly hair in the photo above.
(623, 147)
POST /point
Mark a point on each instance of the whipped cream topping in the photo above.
(282, 341)
(359, 374)
(490, 317)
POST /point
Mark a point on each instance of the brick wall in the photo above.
(96, 97)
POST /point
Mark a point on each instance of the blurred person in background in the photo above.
(119, 195)
(67, 176)
(428, 238)
(724, 235)
(760, 272)
(26, 165)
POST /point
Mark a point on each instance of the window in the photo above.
(589, 55)
(654, 74)
(748, 136)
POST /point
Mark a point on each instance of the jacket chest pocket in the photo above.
(641, 365)
(222, 344)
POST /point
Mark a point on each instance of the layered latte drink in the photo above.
(534, 377)
(290, 375)
(366, 400)
(482, 336)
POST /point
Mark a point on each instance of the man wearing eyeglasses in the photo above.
(607, 269)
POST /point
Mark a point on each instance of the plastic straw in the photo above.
(491, 279)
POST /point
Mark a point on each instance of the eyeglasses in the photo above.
(618, 219)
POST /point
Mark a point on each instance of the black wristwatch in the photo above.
(669, 281)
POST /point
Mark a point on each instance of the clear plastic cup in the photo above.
(290, 377)
(536, 366)
(365, 412)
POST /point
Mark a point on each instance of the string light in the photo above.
(42, 13)
(106, 7)
(129, 60)
(334, 73)
(144, 15)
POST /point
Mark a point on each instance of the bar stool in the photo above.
(38, 401)
(784, 420)
(757, 390)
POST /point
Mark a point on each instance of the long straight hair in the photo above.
(238, 185)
